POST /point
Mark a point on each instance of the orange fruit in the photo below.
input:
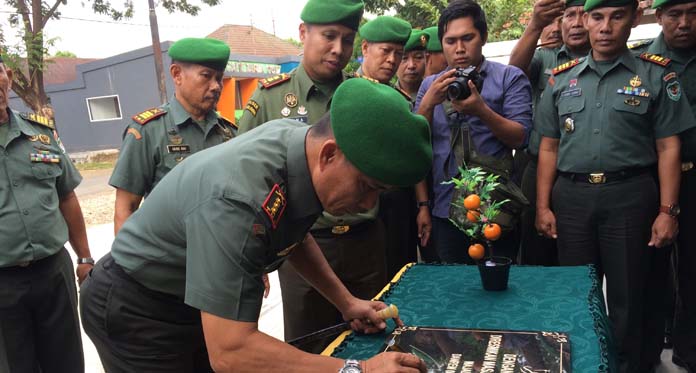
(472, 216)
(472, 202)
(476, 251)
(492, 232)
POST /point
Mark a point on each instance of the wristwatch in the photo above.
(425, 203)
(351, 366)
(87, 260)
(671, 210)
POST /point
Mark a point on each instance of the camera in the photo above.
(459, 88)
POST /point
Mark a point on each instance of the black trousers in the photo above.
(39, 327)
(136, 329)
(397, 209)
(609, 225)
(534, 248)
(358, 259)
(684, 331)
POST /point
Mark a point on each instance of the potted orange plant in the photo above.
(474, 212)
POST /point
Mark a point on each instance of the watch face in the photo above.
(674, 210)
(351, 370)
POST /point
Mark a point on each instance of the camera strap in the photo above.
(460, 138)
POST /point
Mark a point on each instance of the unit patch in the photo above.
(656, 59)
(274, 80)
(39, 119)
(148, 115)
(253, 107)
(135, 133)
(290, 100)
(674, 90)
(274, 205)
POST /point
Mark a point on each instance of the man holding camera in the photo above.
(498, 118)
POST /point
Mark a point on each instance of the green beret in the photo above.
(572, 3)
(434, 44)
(375, 129)
(211, 53)
(418, 40)
(594, 4)
(386, 29)
(344, 12)
(664, 3)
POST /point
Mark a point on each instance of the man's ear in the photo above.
(658, 16)
(10, 75)
(363, 47)
(328, 154)
(176, 71)
(303, 32)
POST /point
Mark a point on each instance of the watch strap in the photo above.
(87, 260)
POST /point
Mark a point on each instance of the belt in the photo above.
(687, 166)
(339, 230)
(31, 263)
(605, 177)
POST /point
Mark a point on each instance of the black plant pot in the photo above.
(494, 277)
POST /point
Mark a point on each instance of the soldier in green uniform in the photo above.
(411, 71)
(353, 244)
(609, 121)
(188, 263)
(160, 138)
(435, 60)
(678, 42)
(538, 63)
(39, 212)
(383, 48)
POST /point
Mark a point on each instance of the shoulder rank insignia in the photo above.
(148, 115)
(655, 58)
(640, 43)
(274, 80)
(39, 119)
(356, 75)
(274, 205)
(566, 66)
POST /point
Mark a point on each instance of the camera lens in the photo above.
(458, 90)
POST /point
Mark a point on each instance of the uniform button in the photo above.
(599, 104)
(25, 212)
(15, 183)
(595, 131)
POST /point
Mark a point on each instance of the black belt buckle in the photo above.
(340, 229)
(24, 264)
(597, 178)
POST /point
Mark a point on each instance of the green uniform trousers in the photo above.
(535, 249)
(358, 259)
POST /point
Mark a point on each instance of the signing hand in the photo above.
(388, 362)
(364, 317)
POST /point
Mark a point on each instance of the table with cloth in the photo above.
(560, 299)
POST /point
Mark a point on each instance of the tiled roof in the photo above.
(62, 69)
(252, 41)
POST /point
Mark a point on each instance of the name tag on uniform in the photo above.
(572, 92)
(178, 149)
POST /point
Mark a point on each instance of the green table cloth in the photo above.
(562, 299)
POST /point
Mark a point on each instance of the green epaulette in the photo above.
(356, 75)
(274, 81)
(640, 43)
(655, 58)
(148, 115)
(567, 66)
(39, 119)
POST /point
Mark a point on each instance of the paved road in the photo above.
(94, 182)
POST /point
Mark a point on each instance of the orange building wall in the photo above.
(226, 104)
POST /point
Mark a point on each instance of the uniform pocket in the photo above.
(632, 104)
(44, 171)
(570, 105)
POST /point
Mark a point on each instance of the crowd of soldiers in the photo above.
(336, 180)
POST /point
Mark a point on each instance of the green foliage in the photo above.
(475, 181)
(65, 54)
(294, 42)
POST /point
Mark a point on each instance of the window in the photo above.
(104, 108)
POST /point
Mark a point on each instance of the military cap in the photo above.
(434, 44)
(386, 29)
(211, 53)
(376, 130)
(417, 40)
(662, 3)
(594, 4)
(344, 12)
(572, 3)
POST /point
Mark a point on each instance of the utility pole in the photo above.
(157, 52)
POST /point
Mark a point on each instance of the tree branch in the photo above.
(50, 13)
(24, 11)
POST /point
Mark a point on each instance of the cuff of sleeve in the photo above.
(228, 309)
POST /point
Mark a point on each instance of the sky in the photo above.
(90, 39)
